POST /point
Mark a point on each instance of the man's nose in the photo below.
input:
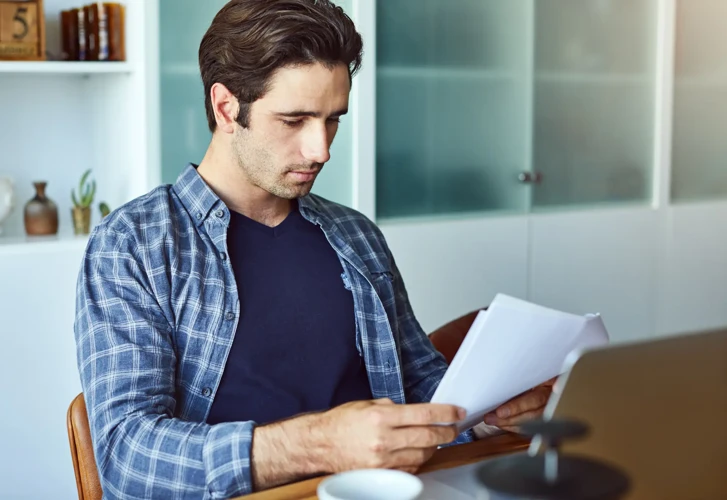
(315, 145)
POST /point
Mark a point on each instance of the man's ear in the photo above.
(226, 108)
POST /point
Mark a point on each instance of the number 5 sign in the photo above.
(22, 30)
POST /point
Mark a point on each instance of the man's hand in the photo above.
(361, 434)
(381, 434)
(527, 406)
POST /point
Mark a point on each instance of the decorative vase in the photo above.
(41, 214)
(81, 220)
(7, 200)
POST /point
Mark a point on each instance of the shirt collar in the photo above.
(194, 193)
(199, 199)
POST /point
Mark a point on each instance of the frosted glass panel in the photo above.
(452, 120)
(699, 155)
(454, 33)
(594, 94)
(335, 181)
(185, 135)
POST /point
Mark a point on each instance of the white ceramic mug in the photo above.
(370, 484)
(7, 199)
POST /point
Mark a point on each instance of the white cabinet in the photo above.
(453, 266)
(692, 275)
(38, 374)
(598, 229)
(693, 269)
(598, 262)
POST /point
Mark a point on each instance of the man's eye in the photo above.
(334, 120)
(292, 124)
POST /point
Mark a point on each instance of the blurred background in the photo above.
(567, 152)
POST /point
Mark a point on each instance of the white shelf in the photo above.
(41, 244)
(64, 67)
(594, 78)
(443, 72)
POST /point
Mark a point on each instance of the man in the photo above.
(234, 331)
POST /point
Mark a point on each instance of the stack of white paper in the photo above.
(510, 348)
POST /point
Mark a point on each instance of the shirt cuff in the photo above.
(228, 459)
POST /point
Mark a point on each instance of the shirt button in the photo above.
(220, 214)
(229, 316)
(223, 256)
(206, 392)
(199, 215)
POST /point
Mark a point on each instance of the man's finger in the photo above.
(508, 423)
(531, 400)
(549, 383)
(421, 437)
(422, 414)
(514, 430)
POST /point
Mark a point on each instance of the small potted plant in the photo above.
(103, 207)
(82, 204)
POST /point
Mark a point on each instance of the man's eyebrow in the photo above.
(312, 114)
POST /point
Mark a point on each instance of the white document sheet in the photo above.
(510, 348)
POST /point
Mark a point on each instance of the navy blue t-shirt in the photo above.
(295, 346)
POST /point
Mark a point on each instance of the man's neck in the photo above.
(229, 182)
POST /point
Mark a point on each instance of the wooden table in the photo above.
(444, 458)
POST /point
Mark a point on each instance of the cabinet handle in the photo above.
(530, 177)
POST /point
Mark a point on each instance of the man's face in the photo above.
(291, 129)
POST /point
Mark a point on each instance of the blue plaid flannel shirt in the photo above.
(156, 314)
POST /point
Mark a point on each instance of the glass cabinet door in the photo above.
(595, 78)
(699, 152)
(452, 117)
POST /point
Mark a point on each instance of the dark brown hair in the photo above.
(249, 40)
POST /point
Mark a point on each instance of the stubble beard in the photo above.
(258, 166)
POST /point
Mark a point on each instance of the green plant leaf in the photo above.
(83, 180)
(92, 194)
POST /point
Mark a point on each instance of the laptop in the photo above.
(657, 409)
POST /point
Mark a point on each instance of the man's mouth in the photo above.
(304, 175)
